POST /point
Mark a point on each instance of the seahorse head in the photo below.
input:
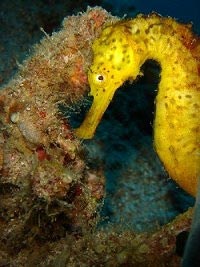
(114, 62)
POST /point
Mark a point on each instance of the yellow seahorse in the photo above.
(119, 53)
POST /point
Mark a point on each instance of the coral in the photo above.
(111, 247)
(119, 53)
(46, 187)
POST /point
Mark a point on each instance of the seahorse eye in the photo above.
(100, 78)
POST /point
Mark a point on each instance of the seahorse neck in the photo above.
(176, 124)
(161, 41)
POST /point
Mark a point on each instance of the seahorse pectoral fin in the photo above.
(94, 115)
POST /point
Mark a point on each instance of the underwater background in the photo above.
(139, 193)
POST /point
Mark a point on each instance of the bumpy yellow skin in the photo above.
(119, 53)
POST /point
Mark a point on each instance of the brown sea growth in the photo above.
(46, 188)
